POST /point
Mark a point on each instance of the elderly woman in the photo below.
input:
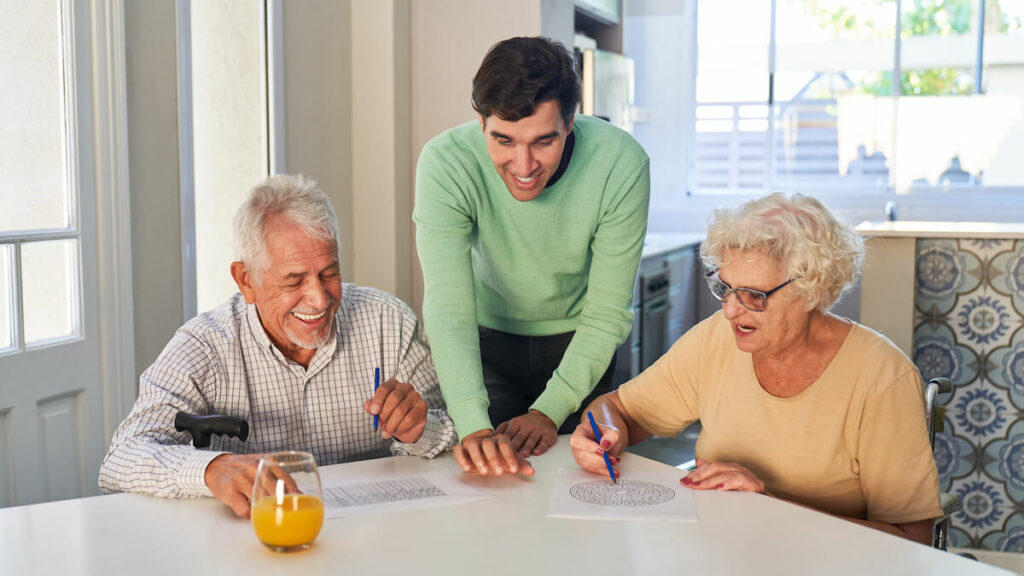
(793, 401)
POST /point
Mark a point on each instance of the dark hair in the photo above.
(519, 73)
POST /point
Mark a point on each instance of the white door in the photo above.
(51, 402)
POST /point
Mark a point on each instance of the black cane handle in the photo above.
(202, 427)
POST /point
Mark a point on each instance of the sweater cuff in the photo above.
(470, 416)
(554, 405)
(192, 476)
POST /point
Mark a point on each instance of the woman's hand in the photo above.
(722, 476)
(589, 454)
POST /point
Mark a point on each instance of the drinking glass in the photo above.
(287, 507)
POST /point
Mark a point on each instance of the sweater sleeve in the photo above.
(444, 225)
(416, 368)
(607, 310)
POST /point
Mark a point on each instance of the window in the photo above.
(40, 280)
(229, 129)
(732, 96)
(801, 93)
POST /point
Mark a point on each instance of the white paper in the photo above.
(373, 495)
(637, 496)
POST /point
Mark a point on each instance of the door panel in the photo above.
(50, 387)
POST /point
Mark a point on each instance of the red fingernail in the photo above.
(684, 480)
(613, 459)
(599, 452)
(606, 444)
(719, 486)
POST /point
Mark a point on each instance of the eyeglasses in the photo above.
(753, 300)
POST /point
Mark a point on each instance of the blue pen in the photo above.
(597, 434)
(376, 383)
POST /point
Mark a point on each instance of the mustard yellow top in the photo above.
(854, 443)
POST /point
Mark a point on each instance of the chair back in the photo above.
(932, 389)
(950, 502)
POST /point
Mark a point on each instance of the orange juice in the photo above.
(292, 522)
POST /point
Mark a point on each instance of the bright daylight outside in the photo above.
(834, 116)
(39, 280)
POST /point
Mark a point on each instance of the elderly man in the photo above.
(530, 224)
(293, 354)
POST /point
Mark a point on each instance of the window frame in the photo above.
(73, 231)
(832, 188)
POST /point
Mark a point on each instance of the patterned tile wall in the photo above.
(969, 327)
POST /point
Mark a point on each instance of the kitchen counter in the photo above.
(657, 244)
(916, 229)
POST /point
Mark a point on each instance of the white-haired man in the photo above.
(293, 354)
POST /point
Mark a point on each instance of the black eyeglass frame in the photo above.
(710, 279)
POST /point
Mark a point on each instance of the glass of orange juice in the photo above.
(287, 508)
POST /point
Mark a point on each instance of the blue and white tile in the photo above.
(984, 319)
(984, 506)
(942, 272)
(980, 412)
(1006, 272)
(954, 455)
(936, 353)
(985, 248)
(1004, 367)
(1010, 538)
(1004, 460)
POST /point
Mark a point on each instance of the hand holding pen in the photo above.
(376, 386)
(604, 445)
(399, 410)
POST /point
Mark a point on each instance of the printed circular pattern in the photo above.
(946, 454)
(1013, 541)
(938, 271)
(980, 412)
(1010, 539)
(1015, 275)
(983, 320)
(630, 493)
(982, 506)
(1011, 463)
(1015, 368)
(936, 357)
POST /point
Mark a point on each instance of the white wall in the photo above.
(151, 84)
(229, 111)
(318, 105)
(381, 125)
(665, 64)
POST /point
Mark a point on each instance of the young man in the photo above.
(293, 354)
(530, 224)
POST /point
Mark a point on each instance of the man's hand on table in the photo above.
(487, 452)
(531, 433)
(230, 477)
(402, 411)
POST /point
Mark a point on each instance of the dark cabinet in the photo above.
(665, 305)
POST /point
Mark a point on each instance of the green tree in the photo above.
(919, 18)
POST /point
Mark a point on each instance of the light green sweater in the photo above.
(564, 261)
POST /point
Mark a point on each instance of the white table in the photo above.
(508, 534)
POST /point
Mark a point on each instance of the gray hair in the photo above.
(296, 198)
(812, 244)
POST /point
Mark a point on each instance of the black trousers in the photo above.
(517, 369)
